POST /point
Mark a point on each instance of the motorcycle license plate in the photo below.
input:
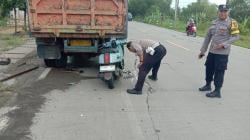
(107, 68)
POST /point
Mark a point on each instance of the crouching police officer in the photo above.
(150, 53)
(223, 32)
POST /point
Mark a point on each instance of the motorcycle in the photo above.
(111, 61)
(191, 30)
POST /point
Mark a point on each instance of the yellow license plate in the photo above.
(80, 43)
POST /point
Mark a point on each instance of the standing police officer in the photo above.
(150, 53)
(223, 32)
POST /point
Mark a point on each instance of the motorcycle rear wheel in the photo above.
(111, 83)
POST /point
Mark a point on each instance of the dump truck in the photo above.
(81, 29)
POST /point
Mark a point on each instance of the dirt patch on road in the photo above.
(30, 100)
(29, 96)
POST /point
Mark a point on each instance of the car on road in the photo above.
(130, 16)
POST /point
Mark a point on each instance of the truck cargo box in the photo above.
(78, 18)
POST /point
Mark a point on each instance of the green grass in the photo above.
(5, 94)
(3, 22)
(10, 41)
(244, 41)
(201, 30)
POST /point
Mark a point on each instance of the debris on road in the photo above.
(71, 84)
(127, 74)
(19, 73)
(5, 61)
(74, 70)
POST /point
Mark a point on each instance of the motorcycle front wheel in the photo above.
(194, 34)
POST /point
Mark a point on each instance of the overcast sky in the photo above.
(184, 3)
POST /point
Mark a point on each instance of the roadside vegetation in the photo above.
(3, 22)
(11, 35)
(10, 41)
(160, 13)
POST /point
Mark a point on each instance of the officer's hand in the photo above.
(201, 55)
(220, 46)
(139, 65)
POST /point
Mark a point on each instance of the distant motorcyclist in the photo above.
(190, 24)
(191, 28)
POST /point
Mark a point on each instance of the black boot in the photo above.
(133, 91)
(207, 87)
(152, 78)
(214, 94)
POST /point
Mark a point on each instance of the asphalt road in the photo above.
(57, 104)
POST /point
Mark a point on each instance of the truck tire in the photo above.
(57, 63)
(50, 62)
(62, 62)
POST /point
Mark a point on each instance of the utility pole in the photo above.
(176, 12)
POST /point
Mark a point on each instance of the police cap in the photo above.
(223, 7)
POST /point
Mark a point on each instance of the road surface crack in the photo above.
(133, 75)
(150, 91)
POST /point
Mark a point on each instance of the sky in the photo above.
(184, 3)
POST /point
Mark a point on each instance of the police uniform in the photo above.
(223, 32)
(150, 61)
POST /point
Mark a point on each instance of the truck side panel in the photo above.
(78, 18)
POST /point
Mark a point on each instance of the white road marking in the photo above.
(44, 74)
(179, 46)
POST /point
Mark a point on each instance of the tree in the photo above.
(22, 5)
(202, 11)
(138, 7)
(240, 9)
(1, 10)
(8, 5)
(146, 7)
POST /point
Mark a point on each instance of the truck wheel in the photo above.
(50, 62)
(62, 62)
(56, 63)
(111, 83)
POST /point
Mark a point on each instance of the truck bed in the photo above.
(78, 18)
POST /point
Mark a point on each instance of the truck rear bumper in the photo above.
(80, 49)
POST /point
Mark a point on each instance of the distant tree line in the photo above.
(7, 5)
(147, 7)
(202, 11)
(240, 10)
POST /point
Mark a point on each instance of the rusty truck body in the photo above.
(78, 18)
(64, 28)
